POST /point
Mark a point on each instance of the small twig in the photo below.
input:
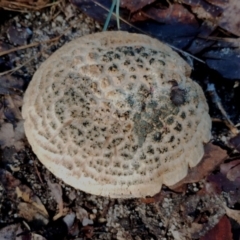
(28, 46)
(37, 172)
(25, 47)
(16, 68)
(19, 48)
(216, 99)
(233, 129)
(117, 13)
(109, 15)
(185, 53)
(21, 7)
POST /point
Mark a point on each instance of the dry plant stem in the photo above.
(20, 7)
(19, 48)
(37, 172)
(28, 46)
(232, 128)
(19, 67)
(212, 90)
(22, 48)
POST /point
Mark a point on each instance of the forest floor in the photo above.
(34, 204)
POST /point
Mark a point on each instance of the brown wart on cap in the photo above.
(100, 114)
(177, 95)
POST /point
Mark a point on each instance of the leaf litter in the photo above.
(184, 24)
(190, 210)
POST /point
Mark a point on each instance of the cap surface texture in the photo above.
(116, 114)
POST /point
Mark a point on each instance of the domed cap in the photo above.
(116, 114)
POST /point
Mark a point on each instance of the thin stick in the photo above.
(16, 68)
(28, 46)
(19, 48)
(216, 99)
(16, 5)
(109, 15)
(117, 13)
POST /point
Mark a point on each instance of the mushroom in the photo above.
(115, 114)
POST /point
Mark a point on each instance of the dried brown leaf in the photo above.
(219, 181)
(235, 142)
(175, 13)
(234, 214)
(28, 196)
(212, 158)
(230, 20)
(56, 192)
(203, 9)
(31, 213)
(217, 2)
(135, 5)
(231, 169)
(221, 231)
(88, 231)
(225, 167)
(16, 191)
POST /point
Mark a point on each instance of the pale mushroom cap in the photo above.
(100, 116)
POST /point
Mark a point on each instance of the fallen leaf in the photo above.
(221, 231)
(56, 192)
(212, 158)
(224, 57)
(88, 231)
(235, 142)
(98, 9)
(81, 213)
(9, 232)
(226, 167)
(175, 13)
(10, 84)
(174, 24)
(10, 136)
(11, 109)
(234, 214)
(31, 213)
(230, 20)
(231, 169)
(203, 9)
(135, 5)
(220, 181)
(27, 196)
(16, 191)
